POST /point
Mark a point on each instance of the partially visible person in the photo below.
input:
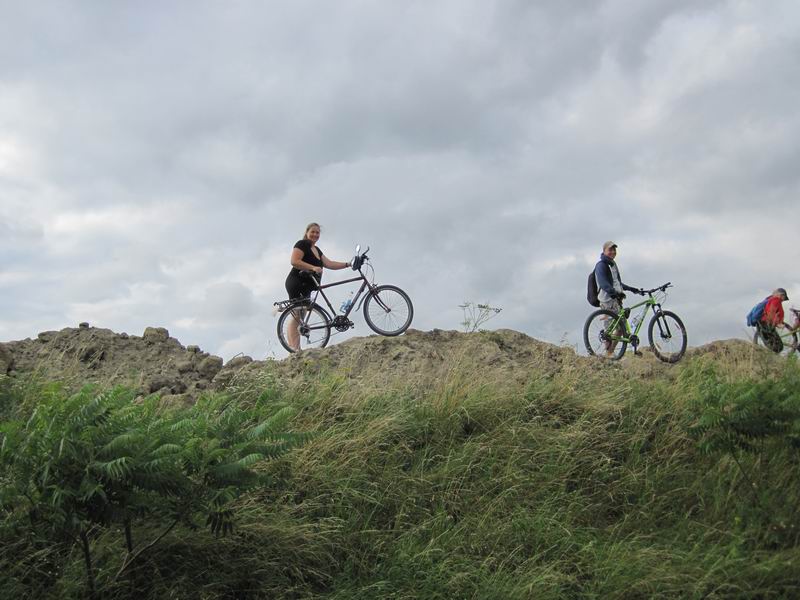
(772, 319)
(606, 272)
(773, 311)
(307, 257)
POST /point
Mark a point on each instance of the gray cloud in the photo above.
(156, 165)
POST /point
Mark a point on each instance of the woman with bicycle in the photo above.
(307, 262)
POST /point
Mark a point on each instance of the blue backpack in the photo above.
(755, 314)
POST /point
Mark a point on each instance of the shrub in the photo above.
(84, 463)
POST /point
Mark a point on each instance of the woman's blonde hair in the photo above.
(309, 226)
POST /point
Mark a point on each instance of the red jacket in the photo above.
(773, 312)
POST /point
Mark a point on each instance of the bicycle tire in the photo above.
(788, 348)
(672, 330)
(390, 304)
(595, 335)
(320, 322)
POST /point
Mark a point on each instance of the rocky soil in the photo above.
(153, 362)
(157, 363)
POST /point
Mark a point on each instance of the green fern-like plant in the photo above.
(96, 459)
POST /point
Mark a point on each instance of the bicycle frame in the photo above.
(785, 333)
(354, 305)
(364, 285)
(789, 330)
(629, 336)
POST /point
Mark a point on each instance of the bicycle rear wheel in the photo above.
(388, 310)
(667, 336)
(304, 325)
(789, 340)
(601, 335)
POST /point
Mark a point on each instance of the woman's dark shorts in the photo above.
(299, 286)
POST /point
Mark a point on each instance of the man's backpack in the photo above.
(755, 314)
(591, 290)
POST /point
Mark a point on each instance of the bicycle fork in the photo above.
(663, 325)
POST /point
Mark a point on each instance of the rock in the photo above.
(123, 336)
(184, 366)
(210, 366)
(91, 354)
(193, 349)
(6, 360)
(238, 361)
(223, 379)
(174, 342)
(153, 335)
(164, 382)
(46, 336)
(83, 325)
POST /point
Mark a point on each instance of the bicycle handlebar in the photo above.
(660, 288)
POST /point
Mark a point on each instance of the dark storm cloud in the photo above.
(157, 161)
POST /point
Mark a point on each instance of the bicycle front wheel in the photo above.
(388, 310)
(602, 335)
(303, 326)
(667, 336)
(789, 340)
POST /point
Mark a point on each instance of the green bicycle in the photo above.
(607, 334)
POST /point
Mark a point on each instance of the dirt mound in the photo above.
(421, 360)
(420, 356)
(157, 363)
(153, 362)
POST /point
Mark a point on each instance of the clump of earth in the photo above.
(155, 363)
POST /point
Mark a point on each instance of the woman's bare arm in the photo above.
(334, 265)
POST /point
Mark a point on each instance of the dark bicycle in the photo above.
(781, 342)
(387, 309)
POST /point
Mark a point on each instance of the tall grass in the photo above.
(580, 481)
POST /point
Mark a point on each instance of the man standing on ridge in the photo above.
(611, 289)
(606, 273)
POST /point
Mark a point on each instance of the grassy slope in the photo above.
(579, 482)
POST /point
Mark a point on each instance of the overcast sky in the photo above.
(158, 160)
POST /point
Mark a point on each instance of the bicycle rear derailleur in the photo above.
(342, 323)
